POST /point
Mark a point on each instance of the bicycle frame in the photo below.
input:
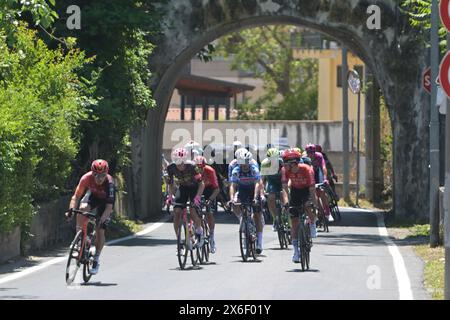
(88, 218)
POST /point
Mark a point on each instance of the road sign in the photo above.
(444, 75)
(444, 12)
(354, 81)
(426, 80)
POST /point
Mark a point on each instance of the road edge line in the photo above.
(43, 265)
(401, 272)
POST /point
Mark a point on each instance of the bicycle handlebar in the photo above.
(84, 213)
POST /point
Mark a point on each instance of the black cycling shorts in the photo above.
(183, 194)
(299, 198)
(99, 205)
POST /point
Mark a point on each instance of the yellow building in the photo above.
(330, 87)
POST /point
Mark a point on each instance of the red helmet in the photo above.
(318, 148)
(310, 148)
(100, 166)
(200, 161)
(291, 154)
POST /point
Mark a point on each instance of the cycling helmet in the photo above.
(179, 156)
(291, 155)
(244, 157)
(239, 152)
(237, 145)
(310, 148)
(200, 161)
(299, 150)
(273, 153)
(318, 148)
(100, 166)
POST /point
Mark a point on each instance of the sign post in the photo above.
(354, 83)
(445, 84)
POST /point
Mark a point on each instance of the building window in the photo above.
(358, 68)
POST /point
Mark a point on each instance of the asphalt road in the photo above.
(352, 261)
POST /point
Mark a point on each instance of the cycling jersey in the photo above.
(190, 176)
(103, 192)
(243, 179)
(318, 164)
(210, 178)
(271, 169)
(234, 163)
(303, 178)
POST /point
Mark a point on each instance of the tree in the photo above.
(267, 53)
(119, 34)
(41, 104)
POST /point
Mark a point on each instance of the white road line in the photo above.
(404, 284)
(46, 264)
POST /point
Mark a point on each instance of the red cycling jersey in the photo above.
(210, 177)
(303, 178)
(104, 191)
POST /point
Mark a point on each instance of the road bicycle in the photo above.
(322, 221)
(247, 232)
(282, 224)
(82, 250)
(304, 237)
(332, 202)
(187, 240)
(205, 249)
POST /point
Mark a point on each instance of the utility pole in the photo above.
(434, 128)
(345, 125)
(447, 196)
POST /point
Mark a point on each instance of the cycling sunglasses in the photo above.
(99, 175)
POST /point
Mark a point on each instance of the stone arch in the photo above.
(394, 53)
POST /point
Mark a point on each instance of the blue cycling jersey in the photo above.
(245, 179)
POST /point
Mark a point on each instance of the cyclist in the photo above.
(320, 172)
(190, 186)
(302, 190)
(218, 164)
(234, 163)
(330, 170)
(211, 191)
(271, 173)
(246, 180)
(96, 190)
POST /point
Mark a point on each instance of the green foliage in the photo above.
(40, 105)
(11, 11)
(118, 34)
(267, 53)
(419, 13)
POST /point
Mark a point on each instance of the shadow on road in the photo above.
(98, 284)
(343, 239)
(301, 271)
(145, 242)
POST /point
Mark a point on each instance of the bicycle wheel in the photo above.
(73, 262)
(308, 243)
(206, 248)
(281, 233)
(337, 213)
(182, 244)
(87, 266)
(243, 240)
(302, 245)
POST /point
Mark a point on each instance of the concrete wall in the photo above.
(299, 133)
(49, 228)
(9, 245)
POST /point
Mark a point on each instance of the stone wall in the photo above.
(9, 245)
(49, 227)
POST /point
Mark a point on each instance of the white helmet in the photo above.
(237, 145)
(239, 152)
(179, 156)
(244, 157)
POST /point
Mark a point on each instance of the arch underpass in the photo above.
(395, 54)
